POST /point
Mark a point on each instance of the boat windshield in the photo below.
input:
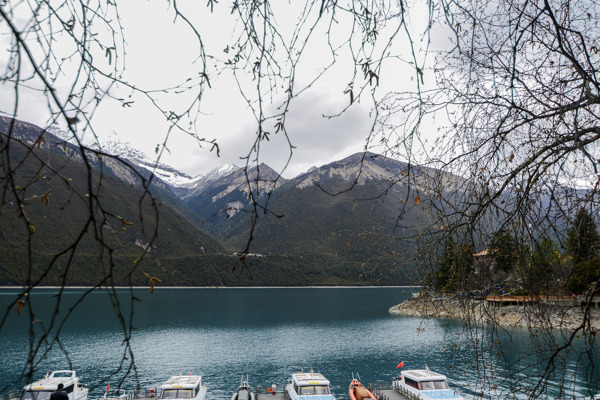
(63, 374)
(36, 395)
(314, 389)
(176, 394)
(432, 385)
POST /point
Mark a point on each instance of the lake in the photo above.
(270, 333)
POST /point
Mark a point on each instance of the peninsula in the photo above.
(509, 311)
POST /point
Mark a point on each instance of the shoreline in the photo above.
(548, 314)
(215, 287)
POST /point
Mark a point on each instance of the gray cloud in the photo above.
(317, 139)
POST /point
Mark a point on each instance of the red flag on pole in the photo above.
(400, 365)
(107, 386)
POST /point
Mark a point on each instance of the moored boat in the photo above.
(43, 389)
(424, 384)
(183, 387)
(358, 392)
(244, 391)
(308, 386)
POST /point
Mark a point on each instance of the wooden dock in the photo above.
(390, 394)
(270, 396)
(267, 393)
(382, 394)
(382, 391)
(499, 301)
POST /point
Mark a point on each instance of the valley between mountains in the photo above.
(344, 223)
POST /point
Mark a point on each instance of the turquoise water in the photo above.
(270, 334)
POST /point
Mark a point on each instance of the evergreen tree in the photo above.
(444, 276)
(583, 274)
(544, 255)
(539, 275)
(583, 241)
(455, 265)
(582, 244)
(503, 251)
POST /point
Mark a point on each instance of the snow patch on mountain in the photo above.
(200, 182)
(114, 145)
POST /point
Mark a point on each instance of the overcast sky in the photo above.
(161, 52)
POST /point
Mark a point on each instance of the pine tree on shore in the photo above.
(583, 244)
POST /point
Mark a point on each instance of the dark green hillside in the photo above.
(55, 205)
(51, 180)
(54, 224)
(351, 236)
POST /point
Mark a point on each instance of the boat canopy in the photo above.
(43, 389)
(421, 375)
(181, 387)
(182, 382)
(310, 379)
(424, 379)
(50, 382)
(310, 383)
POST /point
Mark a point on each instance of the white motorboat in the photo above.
(183, 387)
(43, 389)
(244, 391)
(424, 384)
(308, 386)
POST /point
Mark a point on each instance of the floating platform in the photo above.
(381, 391)
(267, 393)
(270, 396)
(381, 394)
(390, 394)
(387, 393)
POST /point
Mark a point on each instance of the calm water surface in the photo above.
(265, 333)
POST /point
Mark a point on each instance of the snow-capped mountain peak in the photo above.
(200, 182)
(220, 172)
(113, 144)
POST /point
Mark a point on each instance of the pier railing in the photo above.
(572, 301)
(387, 391)
(277, 391)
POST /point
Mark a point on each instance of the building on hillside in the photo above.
(483, 263)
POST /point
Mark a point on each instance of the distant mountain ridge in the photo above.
(199, 183)
(333, 216)
(45, 166)
(347, 222)
(303, 236)
(180, 183)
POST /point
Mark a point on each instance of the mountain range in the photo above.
(333, 225)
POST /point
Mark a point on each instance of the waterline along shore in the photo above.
(513, 312)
